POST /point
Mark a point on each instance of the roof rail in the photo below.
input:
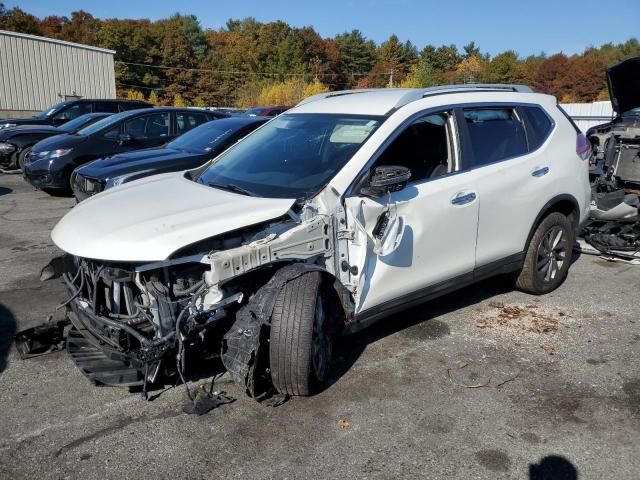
(413, 94)
(418, 93)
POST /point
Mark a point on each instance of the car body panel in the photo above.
(106, 227)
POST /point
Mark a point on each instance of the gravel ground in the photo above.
(484, 383)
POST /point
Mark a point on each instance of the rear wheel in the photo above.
(548, 257)
(301, 339)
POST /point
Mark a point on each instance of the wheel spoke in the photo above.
(543, 263)
(557, 238)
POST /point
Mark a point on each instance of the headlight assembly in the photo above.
(61, 152)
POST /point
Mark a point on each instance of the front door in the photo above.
(437, 212)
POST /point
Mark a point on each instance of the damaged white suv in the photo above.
(349, 207)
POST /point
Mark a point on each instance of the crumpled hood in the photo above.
(624, 85)
(139, 160)
(149, 219)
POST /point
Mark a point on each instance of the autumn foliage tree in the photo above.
(174, 60)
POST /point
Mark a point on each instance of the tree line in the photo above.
(174, 61)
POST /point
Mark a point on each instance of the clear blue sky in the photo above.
(526, 26)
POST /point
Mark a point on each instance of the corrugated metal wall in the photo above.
(587, 115)
(36, 72)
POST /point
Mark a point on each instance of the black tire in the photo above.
(22, 156)
(300, 339)
(548, 256)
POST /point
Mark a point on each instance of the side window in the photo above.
(425, 147)
(155, 125)
(108, 107)
(539, 126)
(495, 134)
(188, 120)
(74, 111)
(124, 106)
(112, 133)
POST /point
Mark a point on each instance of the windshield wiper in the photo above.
(232, 188)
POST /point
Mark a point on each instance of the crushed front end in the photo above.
(125, 321)
(133, 322)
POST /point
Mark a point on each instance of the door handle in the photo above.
(463, 198)
(540, 171)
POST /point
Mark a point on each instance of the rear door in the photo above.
(509, 177)
(147, 130)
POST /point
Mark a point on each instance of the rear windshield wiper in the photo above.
(230, 187)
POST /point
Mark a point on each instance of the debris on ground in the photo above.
(205, 401)
(342, 423)
(520, 319)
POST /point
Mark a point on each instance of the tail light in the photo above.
(583, 147)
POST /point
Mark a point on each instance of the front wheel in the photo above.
(548, 256)
(301, 337)
(22, 157)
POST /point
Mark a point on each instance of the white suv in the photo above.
(349, 207)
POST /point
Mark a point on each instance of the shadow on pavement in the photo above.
(553, 467)
(5, 191)
(349, 348)
(7, 332)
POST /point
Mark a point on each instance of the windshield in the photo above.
(73, 125)
(104, 123)
(47, 112)
(293, 156)
(205, 138)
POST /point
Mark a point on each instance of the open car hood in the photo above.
(624, 85)
(149, 219)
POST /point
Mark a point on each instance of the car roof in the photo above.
(232, 121)
(118, 100)
(383, 101)
(139, 111)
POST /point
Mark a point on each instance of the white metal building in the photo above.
(587, 115)
(36, 72)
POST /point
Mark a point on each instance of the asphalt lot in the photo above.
(484, 383)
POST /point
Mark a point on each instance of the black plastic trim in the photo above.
(509, 264)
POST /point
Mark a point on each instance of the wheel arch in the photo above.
(565, 204)
(242, 354)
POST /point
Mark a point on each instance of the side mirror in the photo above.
(125, 139)
(386, 179)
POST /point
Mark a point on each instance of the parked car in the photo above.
(617, 143)
(16, 142)
(188, 151)
(50, 163)
(349, 207)
(265, 111)
(62, 112)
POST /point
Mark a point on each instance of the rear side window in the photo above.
(495, 134)
(108, 107)
(187, 121)
(539, 126)
(124, 106)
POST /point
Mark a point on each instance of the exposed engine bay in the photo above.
(614, 228)
(131, 323)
